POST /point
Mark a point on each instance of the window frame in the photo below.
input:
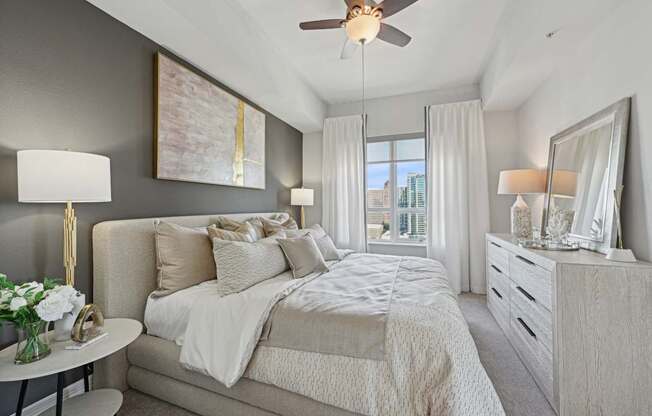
(393, 209)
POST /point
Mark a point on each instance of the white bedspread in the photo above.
(432, 365)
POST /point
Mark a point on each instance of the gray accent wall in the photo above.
(72, 77)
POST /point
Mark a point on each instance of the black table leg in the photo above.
(60, 382)
(87, 386)
(21, 397)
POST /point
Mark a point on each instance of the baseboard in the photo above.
(36, 408)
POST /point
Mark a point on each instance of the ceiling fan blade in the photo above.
(321, 24)
(348, 49)
(392, 35)
(391, 7)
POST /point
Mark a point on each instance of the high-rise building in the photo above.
(416, 198)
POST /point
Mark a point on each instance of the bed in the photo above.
(432, 366)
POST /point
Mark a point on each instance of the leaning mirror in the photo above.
(585, 166)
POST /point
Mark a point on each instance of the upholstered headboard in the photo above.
(124, 274)
(124, 261)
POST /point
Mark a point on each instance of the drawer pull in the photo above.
(496, 269)
(497, 245)
(497, 293)
(527, 328)
(523, 259)
(524, 292)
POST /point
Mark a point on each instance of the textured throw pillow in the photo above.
(271, 227)
(241, 265)
(327, 248)
(233, 225)
(303, 255)
(184, 257)
(246, 233)
(281, 217)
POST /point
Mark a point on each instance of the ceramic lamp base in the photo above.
(521, 219)
(621, 254)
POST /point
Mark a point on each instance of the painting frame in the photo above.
(204, 132)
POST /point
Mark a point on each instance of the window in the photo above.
(396, 190)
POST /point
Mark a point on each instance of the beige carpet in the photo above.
(516, 388)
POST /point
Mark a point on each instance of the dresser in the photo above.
(582, 325)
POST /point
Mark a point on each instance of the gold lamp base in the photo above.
(69, 243)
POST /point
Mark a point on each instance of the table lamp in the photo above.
(519, 182)
(302, 197)
(59, 176)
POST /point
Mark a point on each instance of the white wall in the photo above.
(405, 114)
(612, 63)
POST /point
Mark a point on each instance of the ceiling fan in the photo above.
(363, 24)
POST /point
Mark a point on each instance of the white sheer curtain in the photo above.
(343, 176)
(458, 196)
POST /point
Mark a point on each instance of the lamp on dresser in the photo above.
(302, 197)
(519, 182)
(59, 176)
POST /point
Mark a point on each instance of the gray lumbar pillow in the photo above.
(303, 255)
(241, 265)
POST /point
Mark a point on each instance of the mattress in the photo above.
(167, 317)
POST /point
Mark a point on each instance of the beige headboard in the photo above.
(124, 262)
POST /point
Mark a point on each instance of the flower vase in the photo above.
(31, 345)
(63, 327)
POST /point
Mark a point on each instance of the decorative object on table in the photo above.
(560, 221)
(620, 253)
(519, 182)
(63, 326)
(585, 163)
(30, 306)
(302, 197)
(203, 133)
(84, 331)
(59, 176)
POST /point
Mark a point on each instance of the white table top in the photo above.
(102, 402)
(121, 332)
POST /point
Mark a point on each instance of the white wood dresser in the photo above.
(582, 325)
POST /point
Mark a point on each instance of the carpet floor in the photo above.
(515, 386)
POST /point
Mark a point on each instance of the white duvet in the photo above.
(432, 365)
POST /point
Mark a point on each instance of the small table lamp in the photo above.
(518, 182)
(59, 176)
(302, 197)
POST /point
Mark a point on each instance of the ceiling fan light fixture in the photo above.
(363, 28)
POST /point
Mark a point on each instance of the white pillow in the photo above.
(241, 265)
(327, 248)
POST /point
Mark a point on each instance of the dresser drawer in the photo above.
(498, 295)
(533, 279)
(534, 315)
(498, 257)
(536, 357)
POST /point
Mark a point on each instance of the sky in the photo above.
(379, 173)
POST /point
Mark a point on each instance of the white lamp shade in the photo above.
(302, 197)
(62, 176)
(564, 183)
(364, 27)
(521, 181)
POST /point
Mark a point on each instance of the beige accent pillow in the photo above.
(241, 265)
(246, 233)
(272, 226)
(303, 255)
(233, 225)
(327, 248)
(281, 217)
(184, 257)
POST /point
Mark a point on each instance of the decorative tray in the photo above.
(548, 245)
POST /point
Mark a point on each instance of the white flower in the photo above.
(53, 306)
(17, 303)
(67, 292)
(35, 288)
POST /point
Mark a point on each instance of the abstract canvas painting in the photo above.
(203, 133)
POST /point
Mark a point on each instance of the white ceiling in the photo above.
(451, 42)
(256, 48)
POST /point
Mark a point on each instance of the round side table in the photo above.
(121, 332)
